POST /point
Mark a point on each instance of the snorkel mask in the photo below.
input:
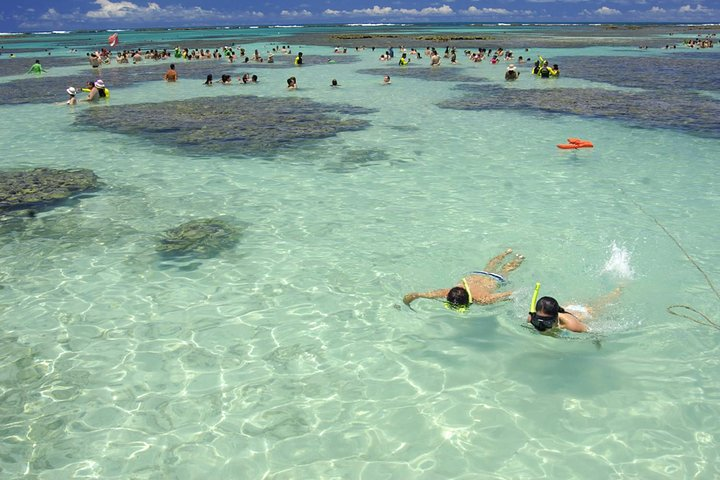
(541, 322)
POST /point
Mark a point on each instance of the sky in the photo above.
(47, 15)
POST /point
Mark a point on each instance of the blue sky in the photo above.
(41, 15)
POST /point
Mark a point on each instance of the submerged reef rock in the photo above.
(679, 71)
(695, 114)
(424, 73)
(41, 187)
(49, 89)
(236, 125)
(20, 66)
(204, 238)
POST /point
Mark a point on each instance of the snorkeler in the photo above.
(477, 287)
(548, 314)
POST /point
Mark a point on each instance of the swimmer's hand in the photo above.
(407, 299)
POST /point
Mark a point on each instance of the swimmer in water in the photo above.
(36, 68)
(477, 287)
(72, 92)
(549, 315)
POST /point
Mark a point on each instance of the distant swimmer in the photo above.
(72, 92)
(98, 91)
(512, 73)
(299, 59)
(386, 80)
(36, 68)
(547, 314)
(477, 286)
(171, 74)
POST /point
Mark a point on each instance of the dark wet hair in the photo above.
(458, 296)
(549, 305)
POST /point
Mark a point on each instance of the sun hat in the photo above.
(71, 91)
(511, 67)
(100, 84)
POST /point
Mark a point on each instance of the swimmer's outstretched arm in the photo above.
(442, 293)
(493, 298)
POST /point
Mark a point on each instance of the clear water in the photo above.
(292, 355)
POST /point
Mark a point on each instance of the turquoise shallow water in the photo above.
(292, 356)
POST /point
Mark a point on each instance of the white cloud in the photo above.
(51, 14)
(472, 10)
(657, 10)
(133, 13)
(606, 11)
(296, 13)
(121, 9)
(698, 9)
(378, 11)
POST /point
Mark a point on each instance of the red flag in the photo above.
(113, 39)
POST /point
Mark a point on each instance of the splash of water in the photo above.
(619, 262)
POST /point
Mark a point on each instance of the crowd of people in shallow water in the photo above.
(236, 54)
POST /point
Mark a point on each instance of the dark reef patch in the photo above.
(235, 126)
(19, 66)
(422, 73)
(49, 89)
(27, 190)
(201, 238)
(691, 113)
(672, 71)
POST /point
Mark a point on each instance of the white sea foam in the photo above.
(619, 262)
(370, 24)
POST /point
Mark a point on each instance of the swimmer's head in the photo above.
(548, 306)
(457, 298)
(547, 313)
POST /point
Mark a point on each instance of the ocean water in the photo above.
(290, 355)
